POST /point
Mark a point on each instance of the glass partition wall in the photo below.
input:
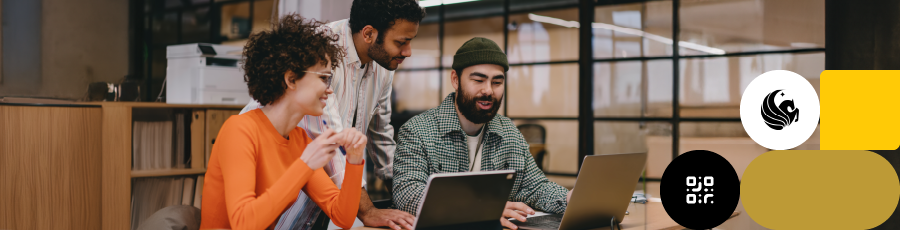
(640, 99)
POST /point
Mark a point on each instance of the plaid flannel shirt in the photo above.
(434, 142)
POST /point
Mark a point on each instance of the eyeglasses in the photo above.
(327, 80)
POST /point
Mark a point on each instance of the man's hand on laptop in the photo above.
(392, 218)
(517, 210)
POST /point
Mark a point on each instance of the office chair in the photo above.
(536, 137)
(183, 217)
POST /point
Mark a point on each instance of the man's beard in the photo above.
(377, 53)
(467, 106)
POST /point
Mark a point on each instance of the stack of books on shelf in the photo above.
(161, 144)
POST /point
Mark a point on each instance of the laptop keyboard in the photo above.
(546, 221)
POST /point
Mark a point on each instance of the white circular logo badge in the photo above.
(780, 109)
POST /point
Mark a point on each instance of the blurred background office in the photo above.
(633, 91)
(723, 45)
(639, 101)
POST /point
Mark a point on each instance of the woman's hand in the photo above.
(354, 142)
(320, 151)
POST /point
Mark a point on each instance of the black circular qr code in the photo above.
(703, 213)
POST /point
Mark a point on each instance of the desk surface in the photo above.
(651, 215)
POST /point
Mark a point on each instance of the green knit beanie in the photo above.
(478, 51)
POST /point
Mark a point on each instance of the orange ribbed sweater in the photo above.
(254, 174)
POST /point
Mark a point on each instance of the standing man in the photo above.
(376, 39)
(465, 134)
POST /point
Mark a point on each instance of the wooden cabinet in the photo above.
(50, 167)
(70, 166)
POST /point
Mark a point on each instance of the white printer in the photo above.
(201, 73)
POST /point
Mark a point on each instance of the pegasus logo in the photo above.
(779, 116)
(784, 93)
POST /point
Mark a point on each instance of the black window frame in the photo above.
(142, 56)
(586, 60)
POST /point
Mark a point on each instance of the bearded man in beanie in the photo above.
(465, 134)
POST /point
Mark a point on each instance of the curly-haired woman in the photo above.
(261, 159)
(377, 37)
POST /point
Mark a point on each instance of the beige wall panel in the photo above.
(425, 48)
(416, 90)
(543, 90)
(82, 42)
(532, 41)
(712, 87)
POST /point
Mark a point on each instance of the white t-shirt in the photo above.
(475, 157)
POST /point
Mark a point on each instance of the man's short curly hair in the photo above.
(294, 44)
(381, 14)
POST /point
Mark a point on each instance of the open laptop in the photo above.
(467, 200)
(603, 189)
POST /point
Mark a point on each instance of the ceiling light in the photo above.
(632, 31)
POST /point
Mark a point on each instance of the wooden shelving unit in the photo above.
(117, 152)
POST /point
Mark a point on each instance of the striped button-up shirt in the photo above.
(361, 88)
